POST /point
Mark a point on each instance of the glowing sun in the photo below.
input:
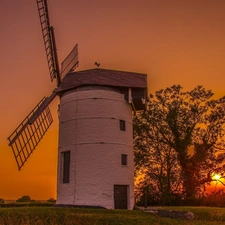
(216, 176)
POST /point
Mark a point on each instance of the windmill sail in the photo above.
(29, 133)
(70, 62)
(49, 40)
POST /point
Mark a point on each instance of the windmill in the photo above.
(95, 152)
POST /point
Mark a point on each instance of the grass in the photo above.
(73, 216)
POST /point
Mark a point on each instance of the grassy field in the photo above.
(67, 216)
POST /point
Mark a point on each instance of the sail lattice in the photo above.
(28, 134)
(49, 39)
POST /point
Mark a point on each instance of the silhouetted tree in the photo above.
(25, 198)
(180, 137)
(2, 200)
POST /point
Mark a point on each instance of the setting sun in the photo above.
(216, 177)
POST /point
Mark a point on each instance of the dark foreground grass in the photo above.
(67, 216)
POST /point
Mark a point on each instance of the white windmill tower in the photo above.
(95, 152)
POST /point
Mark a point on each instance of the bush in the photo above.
(25, 198)
(52, 200)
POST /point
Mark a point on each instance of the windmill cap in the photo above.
(103, 77)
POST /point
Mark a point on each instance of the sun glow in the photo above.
(216, 177)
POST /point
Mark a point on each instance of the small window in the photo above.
(124, 159)
(66, 166)
(122, 125)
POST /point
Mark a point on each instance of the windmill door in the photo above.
(120, 196)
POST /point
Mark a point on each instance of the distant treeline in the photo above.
(24, 204)
(26, 201)
(214, 199)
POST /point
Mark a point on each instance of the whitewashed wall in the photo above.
(89, 127)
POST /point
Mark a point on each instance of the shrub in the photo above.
(51, 200)
(25, 198)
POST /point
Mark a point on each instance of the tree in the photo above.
(181, 135)
(25, 198)
(2, 200)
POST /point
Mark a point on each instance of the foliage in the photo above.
(52, 200)
(179, 142)
(70, 216)
(25, 198)
(2, 200)
(216, 198)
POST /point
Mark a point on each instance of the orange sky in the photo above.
(173, 41)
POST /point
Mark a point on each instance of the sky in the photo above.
(172, 41)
